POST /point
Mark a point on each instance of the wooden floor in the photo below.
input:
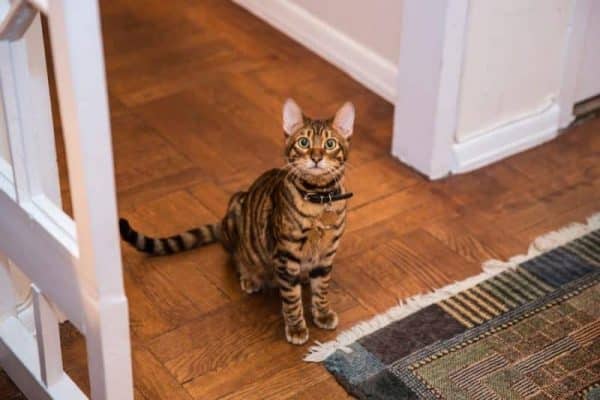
(196, 89)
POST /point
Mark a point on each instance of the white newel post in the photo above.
(48, 261)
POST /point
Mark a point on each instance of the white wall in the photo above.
(512, 63)
(358, 36)
(374, 23)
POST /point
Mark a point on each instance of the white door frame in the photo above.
(74, 264)
(427, 101)
(431, 55)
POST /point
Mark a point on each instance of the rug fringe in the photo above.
(320, 351)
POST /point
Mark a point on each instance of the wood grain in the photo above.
(195, 94)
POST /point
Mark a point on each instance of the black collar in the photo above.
(325, 197)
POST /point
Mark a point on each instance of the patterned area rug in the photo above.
(525, 329)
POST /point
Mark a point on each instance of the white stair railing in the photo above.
(71, 265)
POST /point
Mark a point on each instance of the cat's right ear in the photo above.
(292, 117)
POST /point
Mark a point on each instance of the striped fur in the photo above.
(275, 236)
(191, 239)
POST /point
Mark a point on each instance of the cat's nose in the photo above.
(316, 156)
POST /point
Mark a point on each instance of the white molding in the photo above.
(47, 335)
(78, 57)
(429, 75)
(360, 62)
(505, 140)
(572, 59)
(50, 237)
(8, 303)
(19, 358)
(41, 5)
(75, 263)
(7, 184)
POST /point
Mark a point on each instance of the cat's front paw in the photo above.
(327, 320)
(296, 335)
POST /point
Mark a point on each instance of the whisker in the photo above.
(294, 171)
(333, 172)
(349, 164)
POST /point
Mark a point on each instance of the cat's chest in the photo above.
(323, 219)
(321, 232)
(320, 240)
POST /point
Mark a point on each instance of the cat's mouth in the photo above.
(315, 170)
(316, 164)
(310, 167)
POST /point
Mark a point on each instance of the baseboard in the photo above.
(506, 140)
(587, 107)
(361, 63)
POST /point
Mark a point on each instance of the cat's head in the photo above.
(317, 147)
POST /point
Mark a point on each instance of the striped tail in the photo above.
(191, 239)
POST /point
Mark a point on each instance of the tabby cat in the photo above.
(285, 230)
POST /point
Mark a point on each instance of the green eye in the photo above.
(330, 144)
(303, 143)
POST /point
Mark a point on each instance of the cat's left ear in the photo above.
(292, 117)
(344, 120)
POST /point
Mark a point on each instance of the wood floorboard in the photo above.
(195, 89)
